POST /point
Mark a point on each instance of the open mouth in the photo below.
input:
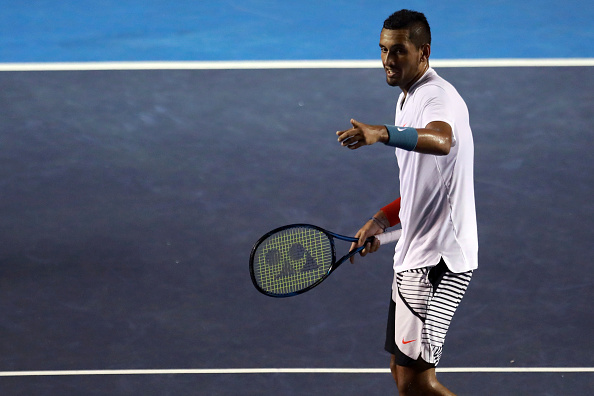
(390, 73)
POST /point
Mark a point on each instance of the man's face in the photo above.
(402, 61)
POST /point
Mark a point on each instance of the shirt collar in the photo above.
(428, 73)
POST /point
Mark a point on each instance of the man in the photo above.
(435, 257)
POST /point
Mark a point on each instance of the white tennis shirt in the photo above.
(437, 210)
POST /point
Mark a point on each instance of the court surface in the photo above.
(131, 200)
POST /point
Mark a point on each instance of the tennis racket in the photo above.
(295, 258)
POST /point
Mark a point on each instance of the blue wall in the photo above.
(135, 30)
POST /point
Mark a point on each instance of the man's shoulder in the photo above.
(435, 81)
(431, 88)
(433, 85)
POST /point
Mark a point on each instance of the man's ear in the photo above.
(425, 52)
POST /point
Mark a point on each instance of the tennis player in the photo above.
(438, 250)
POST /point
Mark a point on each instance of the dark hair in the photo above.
(416, 23)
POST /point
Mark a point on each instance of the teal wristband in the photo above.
(405, 138)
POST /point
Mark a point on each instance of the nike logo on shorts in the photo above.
(407, 342)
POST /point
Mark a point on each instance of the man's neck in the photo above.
(420, 74)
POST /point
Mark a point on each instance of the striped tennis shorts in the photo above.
(423, 303)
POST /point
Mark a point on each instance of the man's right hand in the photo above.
(370, 228)
(362, 135)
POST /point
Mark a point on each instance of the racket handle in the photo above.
(388, 237)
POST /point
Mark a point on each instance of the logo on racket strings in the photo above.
(297, 260)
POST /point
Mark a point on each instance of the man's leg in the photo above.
(418, 379)
(422, 305)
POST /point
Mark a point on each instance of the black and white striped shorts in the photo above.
(423, 304)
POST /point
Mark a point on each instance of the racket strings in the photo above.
(292, 259)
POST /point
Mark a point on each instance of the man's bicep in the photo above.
(435, 138)
(442, 130)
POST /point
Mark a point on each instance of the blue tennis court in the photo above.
(131, 198)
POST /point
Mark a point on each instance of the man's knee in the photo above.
(408, 382)
(418, 379)
(416, 384)
(393, 365)
(394, 369)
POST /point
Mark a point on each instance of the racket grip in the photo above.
(388, 237)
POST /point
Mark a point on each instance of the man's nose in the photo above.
(391, 58)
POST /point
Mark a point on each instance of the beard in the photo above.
(393, 78)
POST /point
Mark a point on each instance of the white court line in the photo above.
(293, 371)
(296, 64)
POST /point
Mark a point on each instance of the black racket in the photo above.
(295, 258)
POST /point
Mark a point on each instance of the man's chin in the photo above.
(392, 82)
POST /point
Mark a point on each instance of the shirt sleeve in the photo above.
(437, 107)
